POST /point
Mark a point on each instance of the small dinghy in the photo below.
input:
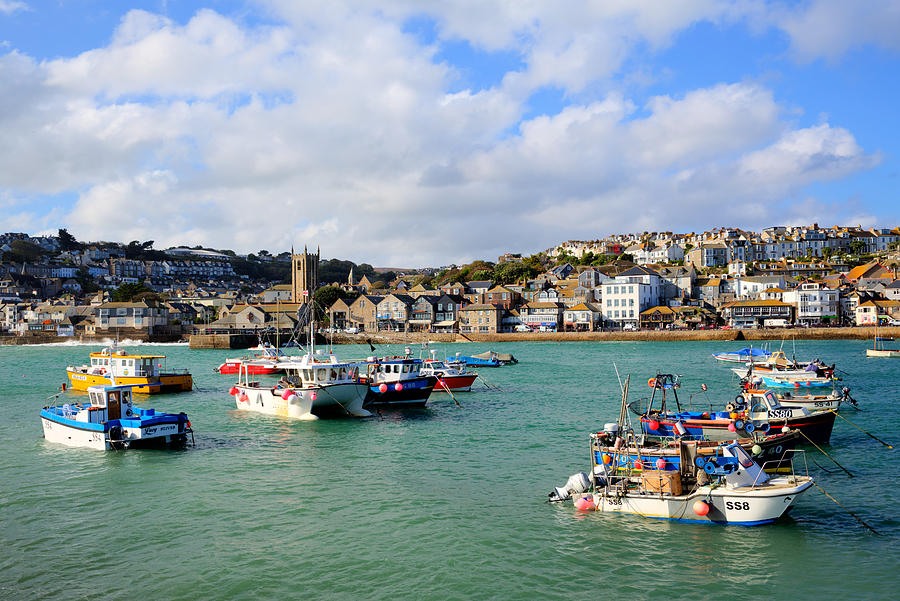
(108, 420)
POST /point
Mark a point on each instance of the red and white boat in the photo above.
(453, 377)
(264, 361)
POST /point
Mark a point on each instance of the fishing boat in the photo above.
(315, 384)
(811, 401)
(107, 419)
(486, 359)
(775, 451)
(144, 372)
(726, 488)
(745, 355)
(747, 414)
(263, 362)
(398, 381)
(454, 377)
(878, 349)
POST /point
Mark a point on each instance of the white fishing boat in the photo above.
(313, 385)
(730, 488)
(107, 419)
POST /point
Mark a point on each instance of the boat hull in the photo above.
(233, 367)
(306, 403)
(816, 427)
(460, 383)
(795, 383)
(413, 393)
(142, 385)
(159, 433)
(894, 354)
(747, 506)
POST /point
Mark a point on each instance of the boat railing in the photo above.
(787, 456)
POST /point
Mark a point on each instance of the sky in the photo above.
(415, 133)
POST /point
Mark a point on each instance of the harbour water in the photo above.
(441, 503)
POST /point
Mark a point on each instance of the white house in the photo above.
(629, 293)
(813, 303)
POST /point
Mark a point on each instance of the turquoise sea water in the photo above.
(441, 503)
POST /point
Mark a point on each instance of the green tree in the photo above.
(67, 241)
(128, 292)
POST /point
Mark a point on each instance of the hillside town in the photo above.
(55, 286)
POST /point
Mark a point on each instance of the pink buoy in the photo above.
(382, 387)
(287, 392)
(731, 427)
(584, 504)
(398, 386)
(243, 398)
(638, 464)
(233, 391)
(660, 464)
(701, 508)
(654, 425)
(313, 396)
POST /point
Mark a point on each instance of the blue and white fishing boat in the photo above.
(745, 355)
(108, 420)
(398, 381)
(796, 382)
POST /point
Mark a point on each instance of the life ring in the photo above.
(102, 370)
(126, 372)
(730, 407)
(651, 382)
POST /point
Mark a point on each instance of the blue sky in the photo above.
(425, 133)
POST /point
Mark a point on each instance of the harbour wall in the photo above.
(849, 333)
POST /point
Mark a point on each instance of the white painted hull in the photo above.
(346, 398)
(94, 439)
(74, 437)
(812, 403)
(742, 506)
(870, 352)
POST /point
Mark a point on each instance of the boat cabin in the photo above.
(319, 374)
(394, 369)
(120, 363)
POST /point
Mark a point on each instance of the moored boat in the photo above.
(878, 350)
(747, 414)
(265, 361)
(314, 386)
(745, 355)
(398, 381)
(107, 419)
(726, 488)
(453, 377)
(144, 373)
(486, 359)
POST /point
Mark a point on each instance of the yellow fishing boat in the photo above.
(145, 372)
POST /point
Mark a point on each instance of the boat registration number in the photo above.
(779, 413)
(822, 404)
(78, 377)
(738, 505)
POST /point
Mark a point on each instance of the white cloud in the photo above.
(8, 7)
(337, 128)
(829, 28)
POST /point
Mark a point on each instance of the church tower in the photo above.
(304, 275)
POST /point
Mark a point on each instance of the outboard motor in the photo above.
(845, 395)
(577, 483)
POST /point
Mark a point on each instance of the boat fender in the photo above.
(584, 504)
(749, 427)
(756, 449)
(701, 508)
(287, 393)
(739, 424)
(732, 427)
(730, 407)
